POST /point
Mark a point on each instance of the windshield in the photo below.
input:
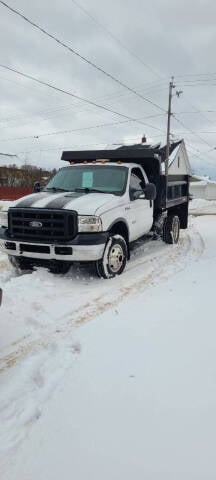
(89, 178)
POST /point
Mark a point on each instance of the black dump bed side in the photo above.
(171, 191)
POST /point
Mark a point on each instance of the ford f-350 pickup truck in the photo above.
(93, 209)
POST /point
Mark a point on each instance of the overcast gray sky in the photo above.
(165, 38)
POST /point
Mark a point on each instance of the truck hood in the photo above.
(82, 203)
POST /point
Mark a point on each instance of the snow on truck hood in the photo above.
(83, 203)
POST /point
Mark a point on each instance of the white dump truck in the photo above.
(94, 208)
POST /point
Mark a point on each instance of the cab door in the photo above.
(139, 211)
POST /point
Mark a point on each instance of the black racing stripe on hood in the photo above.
(29, 201)
(60, 202)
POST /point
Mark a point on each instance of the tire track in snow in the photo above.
(162, 265)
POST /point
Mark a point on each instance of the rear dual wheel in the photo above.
(114, 258)
(171, 229)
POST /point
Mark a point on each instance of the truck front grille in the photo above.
(42, 224)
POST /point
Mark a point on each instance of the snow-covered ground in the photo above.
(112, 379)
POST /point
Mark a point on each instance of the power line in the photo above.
(86, 60)
(25, 86)
(197, 132)
(198, 153)
(191, 131)
(76, 130)
(63, 109)
(194, 154)
(195, 74)
(201, 113)
(60, 107)
(63, 147)
(114, 37)
(91, 127)
(197, 111)
(198, 84)
(198, 80)
(90, 102)
(200, 156)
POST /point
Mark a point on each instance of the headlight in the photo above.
(89, 223)
(3, 218)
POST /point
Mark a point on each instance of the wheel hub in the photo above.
(116, 258)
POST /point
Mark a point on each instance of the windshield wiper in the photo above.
(57, 189)
(90, 190)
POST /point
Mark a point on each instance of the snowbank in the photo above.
(200, 202)
(200, 206)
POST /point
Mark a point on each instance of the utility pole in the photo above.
(171, 86)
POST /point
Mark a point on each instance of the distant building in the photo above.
(179, 163)
(203, 188)
(17, 180)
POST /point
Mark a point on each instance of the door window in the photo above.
(137, 181)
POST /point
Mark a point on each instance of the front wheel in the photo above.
(171, 229)
(114, 258)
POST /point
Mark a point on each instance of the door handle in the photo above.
(127, 208)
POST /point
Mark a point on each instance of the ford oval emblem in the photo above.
(35, 224)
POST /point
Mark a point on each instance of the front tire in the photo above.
(114, 258)
(171, 229)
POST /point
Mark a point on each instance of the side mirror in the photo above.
(150, 191)
(36, 187)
